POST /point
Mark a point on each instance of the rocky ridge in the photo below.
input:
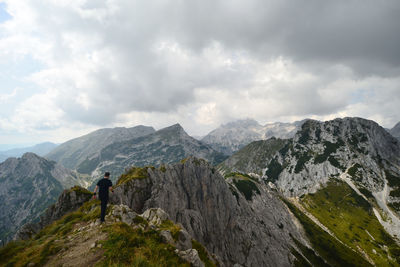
(238, 228)
(67, 236)
(39, 149)
(77, 153)
(168, 145)
(231, 137)
(321, 150)
(395, 131)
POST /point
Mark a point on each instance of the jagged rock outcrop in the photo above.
(28, 185)
(254, 232)
(231, 137)
(69, 200)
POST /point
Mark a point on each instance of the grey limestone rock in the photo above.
(192, 256)
(192, 193)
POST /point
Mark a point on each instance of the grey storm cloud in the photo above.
(114, 57)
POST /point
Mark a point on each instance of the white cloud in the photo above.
(118, 62)
(6, 97)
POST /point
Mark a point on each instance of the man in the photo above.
(104, 185)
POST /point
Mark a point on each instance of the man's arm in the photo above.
(95, 190)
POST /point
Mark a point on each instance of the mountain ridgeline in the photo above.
(28, 185)
(326, 196)
(39, 149)
(76, 153)
(231, 137)
(168, 145)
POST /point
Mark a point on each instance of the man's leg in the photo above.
(103, 209)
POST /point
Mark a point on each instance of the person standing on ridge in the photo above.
(104, 185)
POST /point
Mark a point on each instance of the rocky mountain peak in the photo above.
(395, 131)
(173, 129)
(244, 123)
(321, 150)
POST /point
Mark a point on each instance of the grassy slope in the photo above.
(331, 250)
(352, 220)
(123, 246)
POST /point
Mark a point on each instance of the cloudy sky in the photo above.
(68, 67)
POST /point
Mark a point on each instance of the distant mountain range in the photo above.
(39, 149)
(74, 152)
(329, 195)
(395, 131)
(231, 137)
(168, 145)
(28, 185)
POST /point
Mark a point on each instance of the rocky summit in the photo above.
(231, 137)
(395, 131)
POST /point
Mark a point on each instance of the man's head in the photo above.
(106, 175)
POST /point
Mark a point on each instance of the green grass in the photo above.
(240, 175)
(273, 171)
(170, 226)
(247, 187)
(393, 180)
(309, 254)
(331, 250)
(350, 217)
(203, 255)
(133, 173)
(126, 246)
(302, 160)
(330, 148)
(80, 190)
(38, 249)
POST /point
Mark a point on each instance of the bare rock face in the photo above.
(192, 256)
(234, 229)
(321, 150)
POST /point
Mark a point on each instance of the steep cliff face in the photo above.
(251, 230)
(28, 185)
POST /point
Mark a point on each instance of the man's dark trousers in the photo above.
(104, 201)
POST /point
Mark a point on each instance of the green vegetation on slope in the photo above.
(245, 184)
(259, 152)
(203, 255)
(331, 250)
(330, 148)
(47, 242)
(126, 246)
(273, 171)
(133, 173)
(350, 217)
(121, 244)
